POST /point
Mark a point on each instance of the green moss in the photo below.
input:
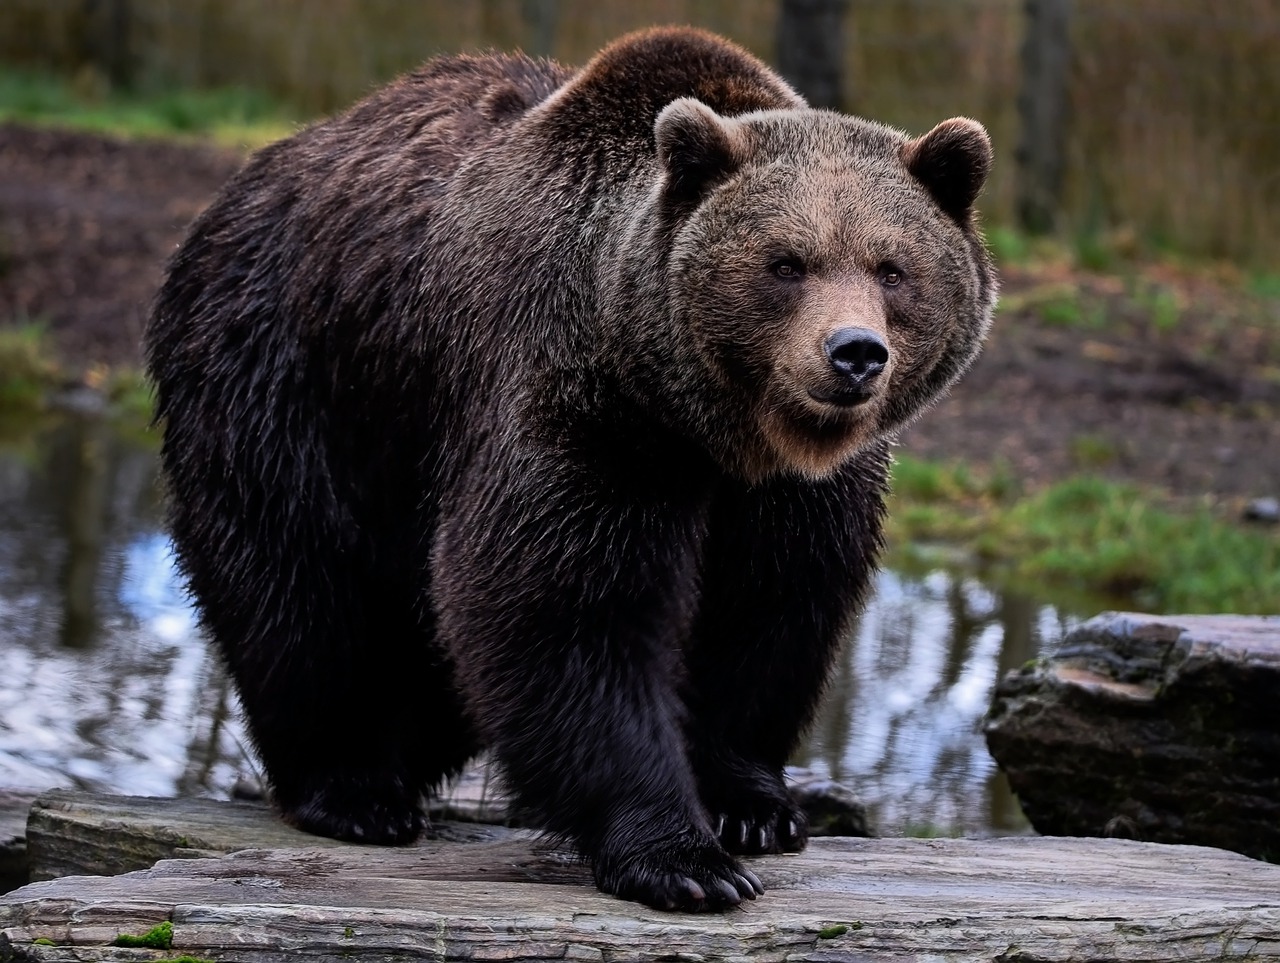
(43, 941)
(348, 932)
(159, 937)
(831, 932)
(185, 959)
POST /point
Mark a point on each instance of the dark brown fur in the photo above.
(496, 415)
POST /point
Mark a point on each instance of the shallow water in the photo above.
(106, 683)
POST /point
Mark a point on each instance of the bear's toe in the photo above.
(783, 829)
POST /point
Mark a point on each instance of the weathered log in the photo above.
(1157, 728)
(843, 899)
(72, 833)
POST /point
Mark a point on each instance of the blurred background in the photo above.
(1159, 116)
(1117, 445)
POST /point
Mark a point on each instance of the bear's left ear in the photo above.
(697, 146)
(952, 161)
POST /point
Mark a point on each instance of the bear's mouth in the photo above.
(844, 398)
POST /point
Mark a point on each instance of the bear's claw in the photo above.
(784, 830)
(702, 878)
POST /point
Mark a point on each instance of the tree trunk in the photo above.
(1043, 112)
(810, 48)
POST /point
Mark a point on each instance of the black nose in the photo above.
(856, 353)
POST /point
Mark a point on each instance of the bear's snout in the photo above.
(858, 356)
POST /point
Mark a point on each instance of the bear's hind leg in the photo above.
(323, 655)
(330, 718)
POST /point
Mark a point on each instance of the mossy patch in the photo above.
(837, 929)
(159, 937)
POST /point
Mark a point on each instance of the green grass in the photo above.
(1265, 285)
(232, 116)
(1090, 535)
(1008, 245)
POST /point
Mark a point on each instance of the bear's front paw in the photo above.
(365, 808)
(782, 829)
(692, 876)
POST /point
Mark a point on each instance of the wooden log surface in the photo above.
(1029, 898)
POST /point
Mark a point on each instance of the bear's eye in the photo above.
(788, 267)
(890, 275)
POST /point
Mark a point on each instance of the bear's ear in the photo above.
(697, 146)
(952, 161)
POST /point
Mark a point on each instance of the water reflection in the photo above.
(902, 721)
(105, 683)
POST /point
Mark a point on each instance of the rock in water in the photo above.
(1162, 728)
(1265, 510)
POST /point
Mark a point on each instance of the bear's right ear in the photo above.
(697, 146)
(952, 161)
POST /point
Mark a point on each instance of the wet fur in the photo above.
(449, 469)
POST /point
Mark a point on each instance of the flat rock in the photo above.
(71, 833)
(14, 804)
(843, 899)
(1156, 728)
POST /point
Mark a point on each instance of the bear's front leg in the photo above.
(787, 563)
(563, 596)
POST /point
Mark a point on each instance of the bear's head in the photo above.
(825, 272)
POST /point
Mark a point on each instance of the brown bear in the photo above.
(548, 411)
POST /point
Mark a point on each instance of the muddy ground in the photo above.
(1161, 376)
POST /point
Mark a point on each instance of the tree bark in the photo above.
(1043, 111)
(810, 49)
